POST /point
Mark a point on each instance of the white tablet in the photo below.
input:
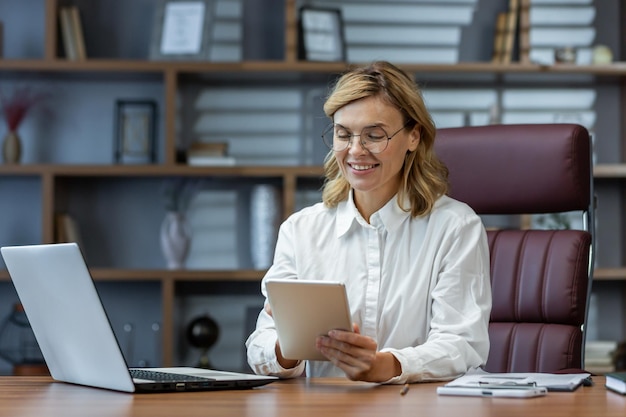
(305, 309)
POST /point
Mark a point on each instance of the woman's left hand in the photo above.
(357, 356)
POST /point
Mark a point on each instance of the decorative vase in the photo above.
(175, 239)
(11, 148)
(264, 222)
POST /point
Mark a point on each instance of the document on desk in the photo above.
(551, 382)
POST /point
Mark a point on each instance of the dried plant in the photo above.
(16, 107)
(178, 193)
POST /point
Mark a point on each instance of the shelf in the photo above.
(609, 171)
(609, 274)
(602, 171)
(107, 274)
(312, 171)
(176, 275)
(119, 65)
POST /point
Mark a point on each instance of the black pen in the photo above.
(404, 389)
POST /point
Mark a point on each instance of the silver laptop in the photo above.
(75, 335)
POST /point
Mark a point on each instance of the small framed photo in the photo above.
(135, 122)
(181, 30)
(321, 36)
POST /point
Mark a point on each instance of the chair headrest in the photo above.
(512, 169)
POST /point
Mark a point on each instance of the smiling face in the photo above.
(375, 178)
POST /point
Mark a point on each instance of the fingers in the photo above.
(268, 309)
(353, 338)
(355, 354)
(350, 347)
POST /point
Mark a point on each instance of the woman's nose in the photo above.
(356, 147)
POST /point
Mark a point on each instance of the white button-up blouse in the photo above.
(419, 286)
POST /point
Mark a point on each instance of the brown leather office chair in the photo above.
(541, 279)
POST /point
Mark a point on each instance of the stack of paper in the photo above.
(481, 383)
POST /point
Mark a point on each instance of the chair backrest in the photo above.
(540, 279)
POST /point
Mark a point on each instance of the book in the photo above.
(511, 31)
(67, 34)
(77, 31)
(208, 148)
(524, 32)
(67, 229)
(616, 381)
(498, 38)
(209, 153)
(206, 160)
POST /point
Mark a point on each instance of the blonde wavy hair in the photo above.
(424, 176)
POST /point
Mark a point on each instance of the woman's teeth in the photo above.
(362, 167)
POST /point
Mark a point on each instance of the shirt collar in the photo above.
(389, 217)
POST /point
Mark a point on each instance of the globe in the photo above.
(202, 333)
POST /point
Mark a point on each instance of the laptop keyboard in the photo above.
(163, 376)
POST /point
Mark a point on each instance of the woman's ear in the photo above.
(414, 138)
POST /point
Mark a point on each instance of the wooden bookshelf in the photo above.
(173, 75)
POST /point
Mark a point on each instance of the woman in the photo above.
(414, 261)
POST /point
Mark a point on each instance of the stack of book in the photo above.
(505, 33)
(209, 153)
(72, 33)
(599, 356)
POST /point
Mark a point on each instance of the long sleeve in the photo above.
(261, 350)
(262, 342)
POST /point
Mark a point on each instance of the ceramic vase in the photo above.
(175, 239)
(11, 148)
(264, 222)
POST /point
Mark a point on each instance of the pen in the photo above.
(404, 389)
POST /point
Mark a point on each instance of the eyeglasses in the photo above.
(372, 138)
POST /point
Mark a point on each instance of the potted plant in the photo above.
(15, 108)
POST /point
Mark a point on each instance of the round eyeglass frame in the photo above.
(328, 137)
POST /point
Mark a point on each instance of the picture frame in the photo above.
(181, 30)
(321, 34)
(135, 124)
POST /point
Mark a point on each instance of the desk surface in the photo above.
(38, 396)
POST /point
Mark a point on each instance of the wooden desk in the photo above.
(38, 396)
